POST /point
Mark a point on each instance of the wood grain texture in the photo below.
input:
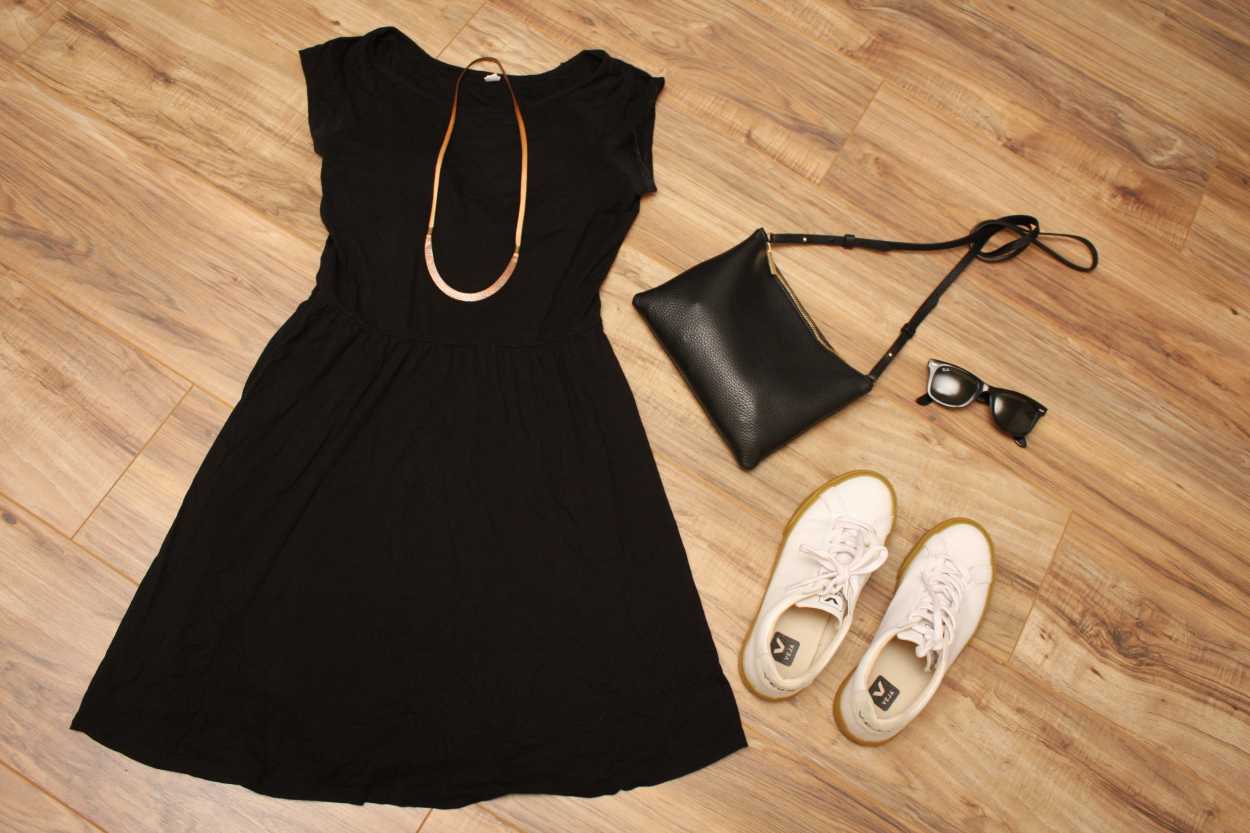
(79, 404)
(1107, 641)
(799, 126)
(1094, 139)
(467, 820)
(156, 71)
(129, 525)
(23, 21)
(26, 809)
(118, 232)
(236, 116)
(155, 165)
(1138, 53)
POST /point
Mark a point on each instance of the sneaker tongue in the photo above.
(834, 608)
(913, 636)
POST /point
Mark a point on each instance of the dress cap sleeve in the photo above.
(639, 123)
(325, 67)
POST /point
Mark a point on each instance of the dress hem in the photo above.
(127, 743)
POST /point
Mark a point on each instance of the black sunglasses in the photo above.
(953, 387)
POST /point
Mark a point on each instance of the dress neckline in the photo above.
(410, 64)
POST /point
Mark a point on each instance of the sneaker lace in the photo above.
(931, 624)
(855, 550)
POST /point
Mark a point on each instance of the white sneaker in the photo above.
(940, 596)
(831, 545)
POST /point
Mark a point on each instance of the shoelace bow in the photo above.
(854, 551)
(933, 619)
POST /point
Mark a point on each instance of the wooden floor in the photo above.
(159, 219)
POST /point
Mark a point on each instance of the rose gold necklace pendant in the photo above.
(450, 291)
(431, 267)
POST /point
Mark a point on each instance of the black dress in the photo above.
(429, 559)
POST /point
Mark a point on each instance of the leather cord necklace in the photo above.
(443, 286)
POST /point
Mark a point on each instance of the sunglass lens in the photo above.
(953, 386)
(1015, 413)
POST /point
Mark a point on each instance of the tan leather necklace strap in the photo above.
(446, 288)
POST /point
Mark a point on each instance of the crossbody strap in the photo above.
(1027, 233)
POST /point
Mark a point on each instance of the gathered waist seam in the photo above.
(322, 297)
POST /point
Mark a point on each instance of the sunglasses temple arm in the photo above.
(924, 399)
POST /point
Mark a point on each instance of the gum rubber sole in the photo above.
(785, 536)
(898, 580)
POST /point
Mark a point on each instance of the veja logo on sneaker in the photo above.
(784, 648)
(883, 693)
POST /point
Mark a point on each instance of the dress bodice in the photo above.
(378, 106)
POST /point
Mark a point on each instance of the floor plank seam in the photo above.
(51, 795)
(859, 119)
(463, 26)
(1050, 565)
(1202, 201)
(4, 496)
(128, 466)
(109, 330)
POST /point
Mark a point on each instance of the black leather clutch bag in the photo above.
(756, 360)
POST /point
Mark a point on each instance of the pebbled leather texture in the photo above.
(746, 351)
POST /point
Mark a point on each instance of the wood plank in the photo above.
(209, 93)
(759, 102)
(59, 608)
(1215, 31)
(472, 819)
(737, 793)
(148, 249)
(217, 87)
(954, 177)
(1220, 240)
(1094, 139)
(1137, 379)
(26, 809)
(1103, 635)
(23, 21)
(297, 23)
(130, 524)
(1120, 46)
(88, 402)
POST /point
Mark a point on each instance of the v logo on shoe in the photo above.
(785, 649)
(883, 693)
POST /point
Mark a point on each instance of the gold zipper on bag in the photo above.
(807, 319)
